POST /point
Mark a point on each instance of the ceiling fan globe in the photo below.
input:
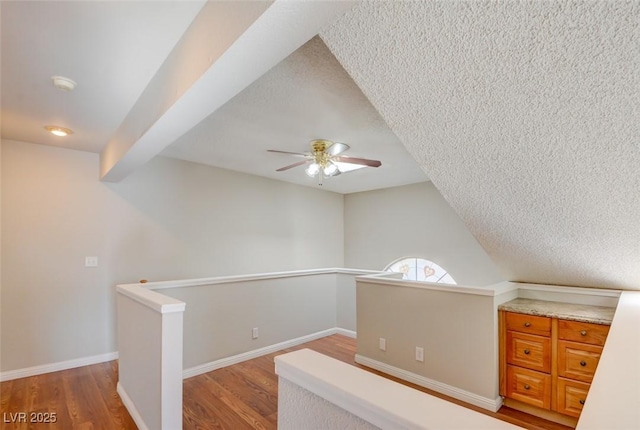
(330, 169)
(313, 169)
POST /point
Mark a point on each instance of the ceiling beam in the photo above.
(227, 47)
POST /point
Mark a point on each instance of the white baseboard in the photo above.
(483, 402)
(55, 367)
(345, 332)
(131, 407)
(239, 358)
(188, 373)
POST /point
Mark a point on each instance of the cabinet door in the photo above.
(578, 360)
(528, 386)
(571, 396)
(529, 351)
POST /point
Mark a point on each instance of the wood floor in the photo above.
(242, 396)
(84, 398)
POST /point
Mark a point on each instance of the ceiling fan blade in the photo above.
(291, 166)
(336, 148)
(354, 160)
(297, 154)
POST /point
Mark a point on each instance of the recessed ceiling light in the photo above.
(63, 83)
(58, 131)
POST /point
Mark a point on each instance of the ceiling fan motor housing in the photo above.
(320, 145)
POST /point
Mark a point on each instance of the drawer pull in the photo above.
(527, 324)
(527, 352)
(583, 363)
(526, 386)
(583, 333)
(582, 402)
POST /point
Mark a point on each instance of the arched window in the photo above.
(419, 269)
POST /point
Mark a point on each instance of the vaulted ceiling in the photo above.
(526, 117)
(217, 83)
(524, 114)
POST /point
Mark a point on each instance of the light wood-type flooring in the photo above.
(242, 396)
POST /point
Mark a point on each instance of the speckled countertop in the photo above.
(566, 311)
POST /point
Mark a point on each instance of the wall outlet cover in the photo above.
(90, 261)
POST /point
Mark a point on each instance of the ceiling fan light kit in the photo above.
(325, 160)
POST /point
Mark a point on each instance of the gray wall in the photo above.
(218, 318)
(169, 220)
(458, 332)
(412, 220)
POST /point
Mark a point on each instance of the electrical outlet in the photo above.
(90, 261)
(383, 344)
(255, 333)
(419, 354)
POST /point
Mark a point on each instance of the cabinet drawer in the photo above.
(578, 360)
(530, 351)
(528, 324)
(528, 386)
(571, 396)
(594, 334)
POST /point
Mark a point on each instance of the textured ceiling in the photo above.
(525, 115)
(307, 96)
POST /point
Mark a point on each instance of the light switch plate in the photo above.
(419, 354)
(383, 344)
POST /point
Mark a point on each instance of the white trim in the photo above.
(460, 289)
(567, 289)
(56, 367)
(345, 332)
(239, 358)
(252, 277)
(156, 301)
(131, 407)
(380, 401)
(483, 402)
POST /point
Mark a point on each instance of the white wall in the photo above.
(170, 220)
(301, 409)
(150, 360)
(320, 392)
(412, 220)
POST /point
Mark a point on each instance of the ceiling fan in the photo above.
(325, 160)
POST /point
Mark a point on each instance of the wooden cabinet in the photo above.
(593, 334)
(529, 351)
(530, 324)
(571, 396)
(529, 386)
(577, 361)
(548, 363)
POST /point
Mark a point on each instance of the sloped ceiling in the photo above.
(214, 82)
(308, 95)
(525, 115)
(111, 49)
